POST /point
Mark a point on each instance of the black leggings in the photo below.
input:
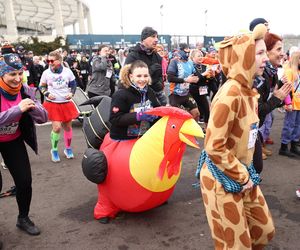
(257, 155)
(202, 103)
(14, 154)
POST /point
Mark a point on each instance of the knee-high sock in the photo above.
(54, 140)
(68, 138)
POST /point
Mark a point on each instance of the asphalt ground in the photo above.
(63, 202)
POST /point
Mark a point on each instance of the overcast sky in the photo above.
(187, 17)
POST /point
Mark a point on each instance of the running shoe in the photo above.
(298, 193)
(54, 156)
(69, 153)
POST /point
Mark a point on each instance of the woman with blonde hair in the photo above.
(291, 125)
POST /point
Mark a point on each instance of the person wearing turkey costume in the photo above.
(236, 210)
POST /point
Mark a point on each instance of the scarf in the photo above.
(58, 70)
(271, 71)
(8, 92)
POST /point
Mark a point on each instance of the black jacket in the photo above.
(266, 104)
(122, 111)
(154, 64)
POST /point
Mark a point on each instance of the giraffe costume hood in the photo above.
(237, 56)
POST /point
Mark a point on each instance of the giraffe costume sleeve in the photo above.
(234, 109)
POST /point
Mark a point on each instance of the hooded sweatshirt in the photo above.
(233, 123)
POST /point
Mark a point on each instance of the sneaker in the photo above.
(28, 226)
(298, 193)
(69, 153)
(54, 156)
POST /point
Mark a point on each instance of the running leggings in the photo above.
(15, 156)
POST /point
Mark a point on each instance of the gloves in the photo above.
(141, 116)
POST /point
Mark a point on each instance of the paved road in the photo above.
(63, 202)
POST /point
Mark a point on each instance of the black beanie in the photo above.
(255, 22)
(146, 32)
(183, 46)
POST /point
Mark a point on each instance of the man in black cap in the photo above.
(145, 52)
(257, 21)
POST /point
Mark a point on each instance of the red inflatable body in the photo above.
(142, 173)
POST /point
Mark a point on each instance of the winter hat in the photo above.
(10, 62)
(147, 32)
(257, 21)
(7, 49)
(183, 46)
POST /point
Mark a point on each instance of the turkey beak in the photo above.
(188, 131)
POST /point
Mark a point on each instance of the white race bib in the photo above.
(252, 135)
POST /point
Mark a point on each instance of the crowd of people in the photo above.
(231, 91)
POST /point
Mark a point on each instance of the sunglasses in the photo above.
(50, 61)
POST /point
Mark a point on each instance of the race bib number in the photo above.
(203, 90)
(83, 71)
(108, 73)
(9, 129)
(252, 135)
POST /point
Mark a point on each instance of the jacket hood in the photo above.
(237, 56)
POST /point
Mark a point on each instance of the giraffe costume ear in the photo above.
(259, 31)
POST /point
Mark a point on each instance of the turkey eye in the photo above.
(173, 126)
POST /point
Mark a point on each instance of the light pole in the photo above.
(161, 18)
(121, 26)
(205, 22)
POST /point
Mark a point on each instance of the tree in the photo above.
(41, 47)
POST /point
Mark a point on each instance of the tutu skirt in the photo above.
(62, 112)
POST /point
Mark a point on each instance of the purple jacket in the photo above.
(26, 124)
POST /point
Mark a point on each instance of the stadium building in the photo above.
(43, 18)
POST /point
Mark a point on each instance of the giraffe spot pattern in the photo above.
(207, 135)
(235, 106)
(259, 215)
(230, 144)
(205, 198)
(219, 245)
(218, 230)
(261, 200)
(249, 58)
(234, 57)
(216, 159)
(256, 232)
(253, 194)
(218, 145)
(237, 130)
(233, 172)
(258, 247)
(208, 183)
(245, 239)
(251, 103)
(233, 91)
(241, 79)
(215, 214)
(231, 212)
(230, 158)
(237, 197)
(242, 40)
(243, 110)
(229, 237)
(220, 120)
(270, 235)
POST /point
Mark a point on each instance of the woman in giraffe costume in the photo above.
(236, 210)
